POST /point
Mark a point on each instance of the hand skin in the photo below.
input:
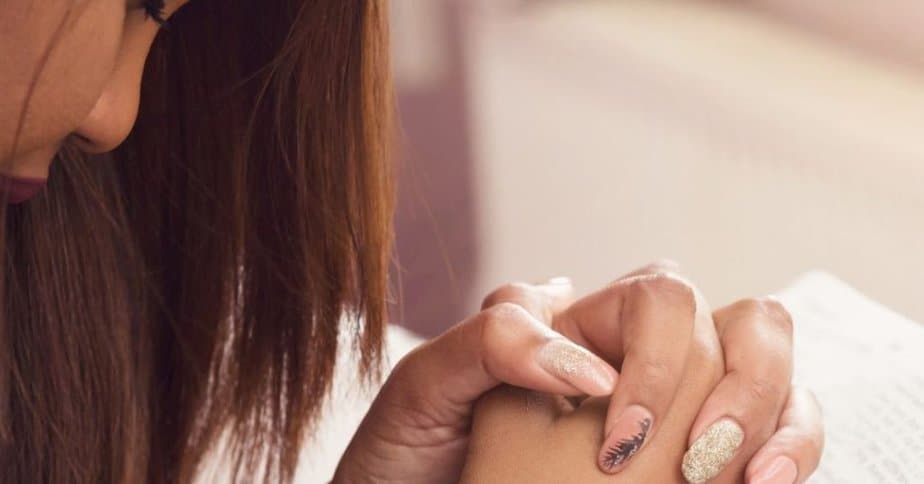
(417, 430)
(653, 325)
(520, 436)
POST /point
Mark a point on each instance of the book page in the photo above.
(866, 365)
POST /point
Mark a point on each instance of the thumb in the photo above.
(503, 344)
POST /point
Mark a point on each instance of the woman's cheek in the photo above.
(56, 61)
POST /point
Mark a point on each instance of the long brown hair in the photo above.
(193, 285)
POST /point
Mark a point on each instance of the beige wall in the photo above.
(885, 28)
(589, 137)
(612, 134)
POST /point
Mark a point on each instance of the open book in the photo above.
(866, 365)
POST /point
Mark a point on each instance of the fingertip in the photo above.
(778, 470)
(577, 366)
(711, 452)
(629, 434)
(609, 377)
(799, 438)
(614, 377)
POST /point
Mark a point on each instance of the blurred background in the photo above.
(750, 140)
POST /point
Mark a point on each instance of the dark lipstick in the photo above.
(18, 189)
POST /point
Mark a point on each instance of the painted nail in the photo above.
(627, 437)
(781, 470)
(577, 366)
(710, 453)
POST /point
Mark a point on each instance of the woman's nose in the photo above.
(113, 116)
(111, 119)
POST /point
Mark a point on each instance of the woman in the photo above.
(195, 221)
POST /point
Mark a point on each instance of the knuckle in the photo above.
(770, 309)
(761, 389)
(507, 292)
(663, 264)
(815, 434)
(653, 373)
(497, 317)
(804, 442)
(816, 441)
(665, 288)
(706, 357)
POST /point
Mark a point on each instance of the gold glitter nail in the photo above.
(712, 451)
(563, 359)
(575, 365)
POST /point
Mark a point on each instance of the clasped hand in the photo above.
(683, 392)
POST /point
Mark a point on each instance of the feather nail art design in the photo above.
(627, 447)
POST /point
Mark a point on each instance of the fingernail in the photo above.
(625, 440)
(712, 451)
(781, 470)
(577, 366)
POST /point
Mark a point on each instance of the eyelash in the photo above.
(154, 9)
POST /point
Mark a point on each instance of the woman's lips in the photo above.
(18, 189)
